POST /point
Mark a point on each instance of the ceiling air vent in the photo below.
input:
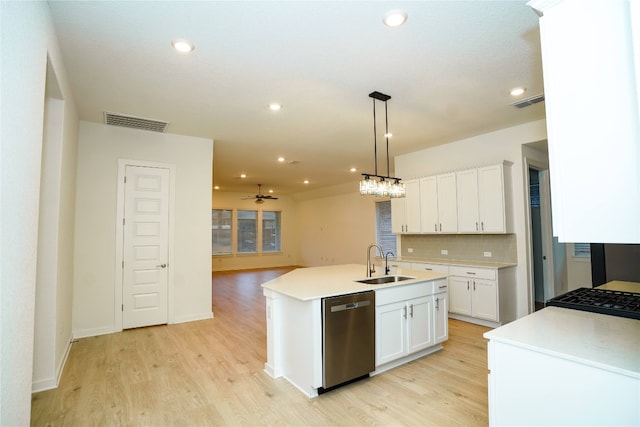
(529, 101)
(117, 119)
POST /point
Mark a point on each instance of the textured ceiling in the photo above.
(448, 70)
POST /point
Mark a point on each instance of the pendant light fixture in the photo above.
(379, 185)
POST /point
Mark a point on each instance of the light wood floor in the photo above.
(210, 372)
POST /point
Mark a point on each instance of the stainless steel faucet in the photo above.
(386, 262)
(371, 268)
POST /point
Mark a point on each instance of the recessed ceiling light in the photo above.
(395, 18)
(271, 190)
(306, 181)
(275, 106)
(517, 91)
(281, 159)
(216, 187)
(183, 45)
(242, 175)
(353, 169)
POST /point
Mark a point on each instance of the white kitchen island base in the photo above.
(414, 316)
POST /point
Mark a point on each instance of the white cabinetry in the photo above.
(438, 203)
(405, 211)
(476, 296)
(481, 200)
(592, 134)
(406, 322)
(441, 313)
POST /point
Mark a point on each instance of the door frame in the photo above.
(546, 229)
(119, 250)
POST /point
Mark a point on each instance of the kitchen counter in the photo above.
(618, 285)
(461, 263)
(565, 367)
(311, 283)
(607, 342)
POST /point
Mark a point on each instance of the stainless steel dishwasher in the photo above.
(348, 338)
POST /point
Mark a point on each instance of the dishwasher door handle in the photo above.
(350, 306)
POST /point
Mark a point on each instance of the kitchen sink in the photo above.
(384, 279)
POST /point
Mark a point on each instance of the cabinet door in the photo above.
(491, 199)
(460, 295)
(441, 317)
(398, 221)
(467, 196)
(447, 203)
(420, 324)
(390, 332)
(485, 299)
(412, 206)
(429, 208)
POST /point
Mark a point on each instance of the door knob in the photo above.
(161, 265)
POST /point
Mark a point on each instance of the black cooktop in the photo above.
(614, 303)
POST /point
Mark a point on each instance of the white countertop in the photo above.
(461, 263)
(319, 282)
(608, 342)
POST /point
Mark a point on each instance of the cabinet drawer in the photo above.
(478, 273)
(436, 268)
(402, 293)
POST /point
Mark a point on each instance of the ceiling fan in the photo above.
(260, 198)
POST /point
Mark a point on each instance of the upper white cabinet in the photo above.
(591, 66)
(438, 203)
(405, 211)
(481, 200)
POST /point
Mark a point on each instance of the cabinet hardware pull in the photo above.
(411, 310)
(471, 272)
(404, 311)
(435, 227)
(467, 284)
(482, 223)
(476, 226)
(440, 226)
(474, 285)
(442, 287)
(438, 304)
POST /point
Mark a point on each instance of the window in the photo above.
(221, 231)
(247, 231)
(384, 236)
(270, 231)
(582, 250)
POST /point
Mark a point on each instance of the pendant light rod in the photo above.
(386, 132)
(375, 142)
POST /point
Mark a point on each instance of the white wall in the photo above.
(578, 270)
(336, 229)
(100, 147)
(289, 236)
(486, 149)
(27, 37)
(54, 278)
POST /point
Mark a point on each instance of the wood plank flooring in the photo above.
(210, 373)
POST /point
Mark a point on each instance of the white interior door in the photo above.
(145, 247)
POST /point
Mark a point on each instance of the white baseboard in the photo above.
(84, 333)
(193, 317)
(51, 383)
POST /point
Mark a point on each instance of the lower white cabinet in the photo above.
(407, 321)
(441, 313)
(482, 294)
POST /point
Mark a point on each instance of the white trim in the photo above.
(52, 383)
(193, 317)
(117, 303)
(85, 333)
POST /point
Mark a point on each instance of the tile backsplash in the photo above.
(461, 247)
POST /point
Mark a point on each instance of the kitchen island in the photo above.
(560, 366)
(294, 319)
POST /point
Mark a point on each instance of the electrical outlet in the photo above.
(410, 250)
(487, 254)
(444, 252)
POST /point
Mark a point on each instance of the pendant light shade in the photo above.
(379, 185)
